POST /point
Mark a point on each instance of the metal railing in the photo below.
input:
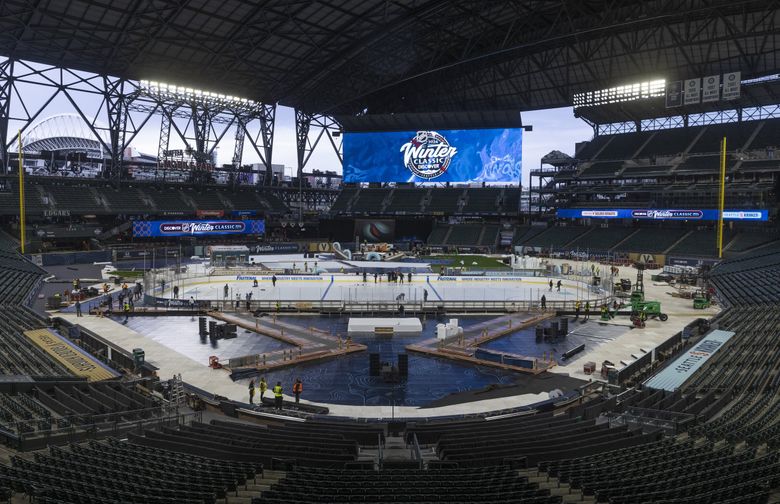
(81, 427)
(153, 282)
(416, 453)
(380, 452)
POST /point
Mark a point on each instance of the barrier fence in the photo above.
(77, 428)
(157, 282)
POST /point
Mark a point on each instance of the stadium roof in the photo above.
(385, 56)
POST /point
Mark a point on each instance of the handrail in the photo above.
(416, 453)
(380, 452)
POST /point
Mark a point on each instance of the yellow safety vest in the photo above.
(263, 386)
(277, 391)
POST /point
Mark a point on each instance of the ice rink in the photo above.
(352, 288)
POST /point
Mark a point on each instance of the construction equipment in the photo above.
(701, 300)
(650, 309)
(638, 294)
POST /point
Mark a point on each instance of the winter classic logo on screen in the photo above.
(428, 154)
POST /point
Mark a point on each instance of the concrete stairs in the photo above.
(567, 493)
(254, 489)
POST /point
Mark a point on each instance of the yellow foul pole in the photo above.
(22, 211)
(722, 196)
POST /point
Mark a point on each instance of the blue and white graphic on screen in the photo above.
(484, 155)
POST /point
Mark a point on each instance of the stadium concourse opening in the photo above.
(380, 252)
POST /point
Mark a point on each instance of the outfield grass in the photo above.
(454, 261)
(128, 273)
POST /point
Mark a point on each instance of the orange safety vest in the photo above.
(298, 387)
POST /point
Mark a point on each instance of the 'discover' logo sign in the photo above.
(667, 214)
(428, 154)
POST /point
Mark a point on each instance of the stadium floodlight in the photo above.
(618, 94)
(201, 96)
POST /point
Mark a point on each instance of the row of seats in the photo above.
(694, 139)
(651, 240)
(18, 355)
(438, 201)
(136, 198)
(307, 444)
(487, 485)
(116, 471)
(482, 235)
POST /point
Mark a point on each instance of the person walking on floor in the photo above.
(297, 390)
(192, 303)
(278, 395)
(175, 292)
(559, 285)
(544, 302)
(409, 277)
(225, 290)
(251, 392)
(127, 312)
(273, 280)
(78, 308)
(263, 386)
(587, 311)
(577, 306)
(425, 295)
(551, 285)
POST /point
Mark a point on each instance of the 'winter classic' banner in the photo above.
(661, 214)
(142, 229)
(476, 155)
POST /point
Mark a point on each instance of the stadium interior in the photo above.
(408, 314)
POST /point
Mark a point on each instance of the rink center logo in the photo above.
(201, 227)
(428, 154)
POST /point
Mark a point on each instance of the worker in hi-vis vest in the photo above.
(278, 395)
(297, 389)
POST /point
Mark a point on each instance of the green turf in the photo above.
(128, 274)
(482, 262)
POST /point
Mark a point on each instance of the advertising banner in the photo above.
(661, 214)
(276, 247)
(146, 229)
(243, 213)
(658, 259)
(320, 247)
(209, 213)
(478, 155)
(375, 230)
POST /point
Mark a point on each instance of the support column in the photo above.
(201, 121)
(116, 108)
(165, 138)
(267, 124)
(6, 84)
(238, 148)
(302, 126)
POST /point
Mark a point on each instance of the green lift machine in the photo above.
(651, 309)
